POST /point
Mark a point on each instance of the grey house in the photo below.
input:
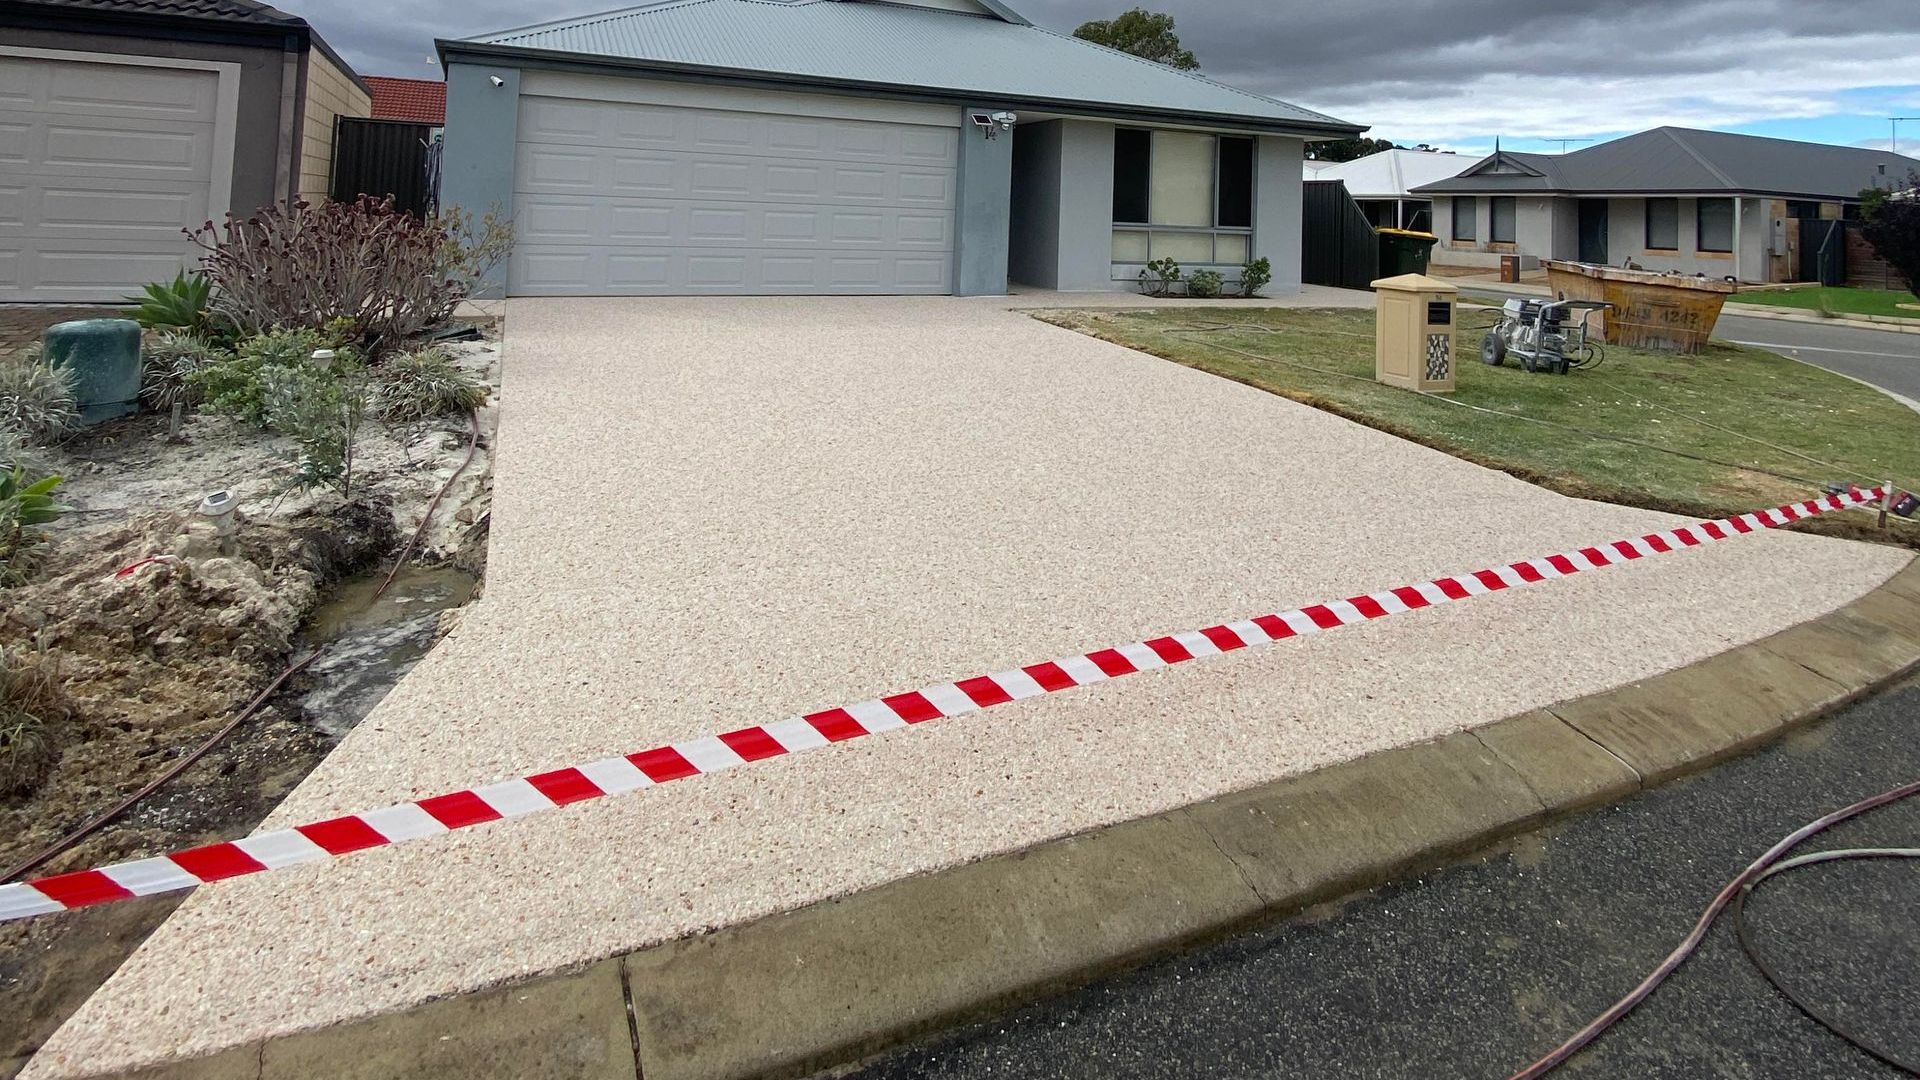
(854, 146)
(124, 121)
(1696, 202)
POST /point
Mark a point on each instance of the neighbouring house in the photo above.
(1383, 184)
(852, 146)
(1669, 199)
(123, 122)
(413, 101)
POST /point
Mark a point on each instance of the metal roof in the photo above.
(1670, 160)
(249, 18)
(899, 49)
(1389, 174)
(240, 11)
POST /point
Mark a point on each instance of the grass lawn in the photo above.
(1714, 405)
(1844, 301)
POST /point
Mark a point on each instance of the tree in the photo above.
(1348, 149)
(1890, 221)
(1146, 34)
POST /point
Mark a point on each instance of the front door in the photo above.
(1593, 231)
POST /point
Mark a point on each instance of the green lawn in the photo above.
(1714, 405)
(1842, 301)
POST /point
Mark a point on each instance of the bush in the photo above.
(425, 384)
(25, 504)
(167, 368)
(37, 399)
(321, 410)
(387, 274)
(180, 304)
(1890, 221)
(17, 452)
(1255, 276)
(1159, 277)
(1204, 284)
(32, 702)
(236, 385)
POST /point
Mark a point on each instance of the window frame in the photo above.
(1494, 205)
(1699, 220)
(1148, 228)
(1646, 226)
(1453, 227)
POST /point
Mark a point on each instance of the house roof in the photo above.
(992, 58)
(1389, 174)
(249, 18)
(420, 101)
(1670, 160)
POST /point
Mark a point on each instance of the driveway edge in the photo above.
(826, 985)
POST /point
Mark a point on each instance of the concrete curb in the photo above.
(825, 985)
(1864, 322)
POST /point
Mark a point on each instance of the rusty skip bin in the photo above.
(1649, 310)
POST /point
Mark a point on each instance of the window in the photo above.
(1506, 219)
(1663, 224)
(1182, 195)
(1132, 149)
(1466, 224)
(1714, 217)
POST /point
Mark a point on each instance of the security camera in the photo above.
(496, 80)
(1005, 120)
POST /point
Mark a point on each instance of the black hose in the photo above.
(1743, 932)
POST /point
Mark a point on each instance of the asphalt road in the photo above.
(1881, 358)
(1477, 969)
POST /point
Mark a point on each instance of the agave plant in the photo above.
(177, 304)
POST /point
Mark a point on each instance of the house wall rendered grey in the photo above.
(1086, 206)
(1276, 209)
(478, 148)
(1033, 242)
(260, 146)
(981, 219)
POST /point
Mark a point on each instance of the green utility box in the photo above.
(104, 356)
(1403, 251)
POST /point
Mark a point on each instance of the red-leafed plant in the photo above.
(385, 273)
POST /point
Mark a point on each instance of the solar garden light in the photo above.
(221, 509)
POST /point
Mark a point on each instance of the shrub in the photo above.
(1890, 221)
(17, 452)
(236, 385)
(180, 304)
(424, 384)
(37, 399)
(24, 505)
(167, 368)
(1204, 284)
(32, 702)
(1255, 276)
(1159, 276)
(387, 274)
(321, 410)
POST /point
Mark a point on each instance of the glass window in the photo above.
(1506, 219)
(1186, 247)
(1181, 178)
(1236, 183)
(1715, 220)
(1132, 149)
(1129, 245)
(1663, 224)
(1466, 225)
(1230, 248)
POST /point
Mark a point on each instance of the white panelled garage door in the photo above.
(627, 198)
(101, 166)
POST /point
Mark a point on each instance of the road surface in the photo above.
(1475, 970)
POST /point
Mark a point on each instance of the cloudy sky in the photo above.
(1456, 73)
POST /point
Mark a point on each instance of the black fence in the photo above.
(1823, 251)
(384, 158)
(1338, 246)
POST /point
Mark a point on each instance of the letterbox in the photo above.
(1413, 332)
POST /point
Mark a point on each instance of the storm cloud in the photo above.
(1445, 71)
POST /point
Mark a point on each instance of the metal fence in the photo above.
(383, 158)
(1338, 246)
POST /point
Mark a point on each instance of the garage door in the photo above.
(101, 166)
(622, 198)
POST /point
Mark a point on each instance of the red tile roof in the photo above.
(421, 101)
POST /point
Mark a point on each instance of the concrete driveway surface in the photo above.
(716, 512)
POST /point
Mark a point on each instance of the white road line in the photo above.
(1816, 348)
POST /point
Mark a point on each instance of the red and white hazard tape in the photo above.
(713, 753)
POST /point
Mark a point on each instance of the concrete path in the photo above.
(1478, 969)
(714, 512)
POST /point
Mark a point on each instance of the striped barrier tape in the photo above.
(714, 753)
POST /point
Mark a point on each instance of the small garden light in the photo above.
(220, 509)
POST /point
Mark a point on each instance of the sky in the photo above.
(1454, 73)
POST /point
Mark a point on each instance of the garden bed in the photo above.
(1720, 432)
(154, 662)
